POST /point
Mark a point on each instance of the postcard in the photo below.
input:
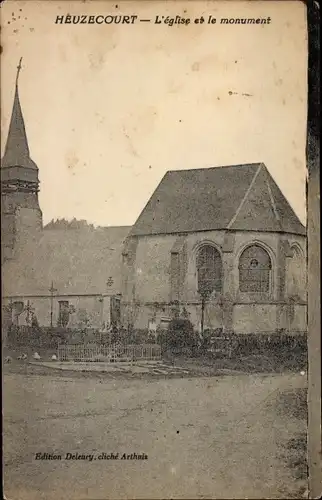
(159, 250)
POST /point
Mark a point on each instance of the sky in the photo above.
(109, 109)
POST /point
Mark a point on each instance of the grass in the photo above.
(196, 366)
(293, 404)
(253, 363)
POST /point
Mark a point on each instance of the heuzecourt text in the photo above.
(159, 19)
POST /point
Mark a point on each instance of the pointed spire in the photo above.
(17, 149)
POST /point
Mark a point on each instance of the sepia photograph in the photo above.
(154, 249)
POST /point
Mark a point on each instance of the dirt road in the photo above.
(215, 437)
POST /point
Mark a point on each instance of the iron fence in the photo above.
(112, 354)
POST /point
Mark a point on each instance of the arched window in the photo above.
(209, 270)
(254, 270)
(296, 273)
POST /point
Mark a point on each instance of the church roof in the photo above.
(17, 149)
(240, 197)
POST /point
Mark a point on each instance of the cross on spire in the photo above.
(18, 70)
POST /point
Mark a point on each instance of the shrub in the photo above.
(137, 336)
(32, 336)
(278, 344)
(179, 337)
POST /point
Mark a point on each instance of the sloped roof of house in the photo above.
(240, 197)
(77, 261)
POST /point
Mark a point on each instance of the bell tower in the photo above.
(20, 211)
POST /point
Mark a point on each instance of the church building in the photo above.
(221, 246)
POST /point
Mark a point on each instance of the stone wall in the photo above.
(89, 310)
(21, 223)
(161, 269)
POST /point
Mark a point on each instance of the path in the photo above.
(215, 437)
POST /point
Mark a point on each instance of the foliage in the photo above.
(180, 335)
(83, 319)
(279, 344)
(33, 336)
(34, 322)
(66, 224)
(118, 335)
(205, 340)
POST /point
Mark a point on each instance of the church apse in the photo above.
(192, 238)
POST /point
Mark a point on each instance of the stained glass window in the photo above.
(209, 269)
(254, 270)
